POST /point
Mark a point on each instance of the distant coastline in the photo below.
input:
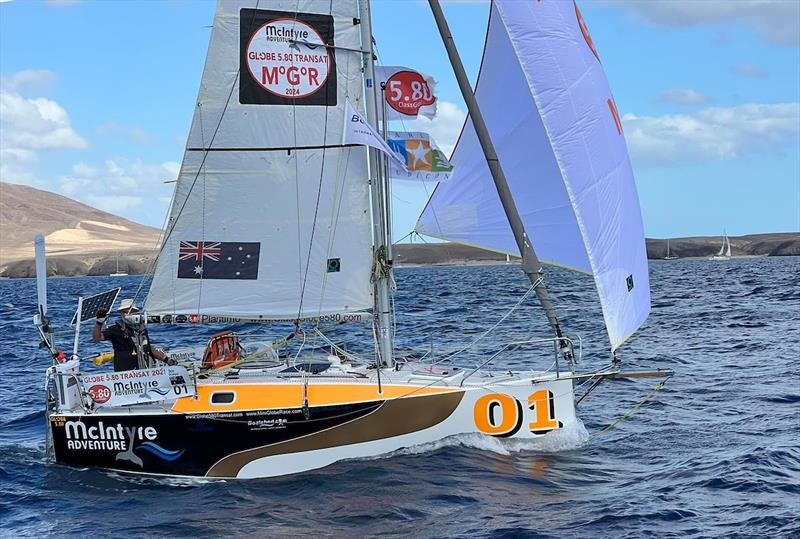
(420, 254)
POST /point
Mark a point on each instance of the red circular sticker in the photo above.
(407, 91)
(99, 393)
(288, 58)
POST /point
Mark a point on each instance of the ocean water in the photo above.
(715, 454)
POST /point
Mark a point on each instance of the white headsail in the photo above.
(551, 115)
(270, 218)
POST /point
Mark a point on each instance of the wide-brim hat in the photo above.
(127, 304)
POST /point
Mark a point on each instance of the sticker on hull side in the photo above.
(185, 444)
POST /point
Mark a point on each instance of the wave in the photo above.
(571, 437)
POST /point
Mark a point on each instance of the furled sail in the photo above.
(270, 218)
(549, 110)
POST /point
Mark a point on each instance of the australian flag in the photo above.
(218, 260)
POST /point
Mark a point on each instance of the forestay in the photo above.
(551, 115)
(270, 218)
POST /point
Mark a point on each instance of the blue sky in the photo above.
(97, 98)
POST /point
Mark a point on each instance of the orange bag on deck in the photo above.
(222, 349)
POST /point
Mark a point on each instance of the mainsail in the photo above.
(550, 113)
(725, 249)
(270, 218)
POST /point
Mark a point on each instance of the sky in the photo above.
(96, 98)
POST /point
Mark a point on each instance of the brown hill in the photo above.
(83, 240)
(775, 244)
(70, 228)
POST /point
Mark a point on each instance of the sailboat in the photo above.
(725, 250)
(117, 273)
(275, 220)
(668, 255)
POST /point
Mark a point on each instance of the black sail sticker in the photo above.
(286, 58)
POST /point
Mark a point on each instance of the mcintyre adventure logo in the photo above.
(117, 437)
(102, 437)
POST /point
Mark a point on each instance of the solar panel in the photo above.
(92, 304)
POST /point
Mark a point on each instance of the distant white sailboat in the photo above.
(724, 251)
(669, 256)
(118, 273)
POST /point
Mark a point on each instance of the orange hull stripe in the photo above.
(273, 396)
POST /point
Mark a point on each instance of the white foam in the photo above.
(570, 437)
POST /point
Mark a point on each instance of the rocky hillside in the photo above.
(778, 244)
(82, 240)
(70, 228)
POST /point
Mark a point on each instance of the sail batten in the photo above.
(550, 112)
(270, 217)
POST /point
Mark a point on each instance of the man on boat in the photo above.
(129, 338)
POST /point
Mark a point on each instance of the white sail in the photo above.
(728, 244)
(551, 115)
(722, 247)
(271, 212)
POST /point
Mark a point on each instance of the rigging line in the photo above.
(659, 386)
(203, 215)
(296, 158)
(341, 179)
(205, 154)
(319, 187)
(493, 327)
(401, 239)
(151, 264)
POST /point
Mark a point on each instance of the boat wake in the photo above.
(566, 439)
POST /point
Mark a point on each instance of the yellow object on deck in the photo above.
(103, 358)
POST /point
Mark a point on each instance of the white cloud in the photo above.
(444, 129)
(121, 176)
(36, 81)
(134, 134)
(683, 96)
(29, 126)
(35, 124)
(777, 21)
(16, 166)
(133, 189)
(751, 71)
(714, 133)
(114, 204)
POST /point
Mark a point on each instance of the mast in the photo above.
(381, 227)
(531, 265)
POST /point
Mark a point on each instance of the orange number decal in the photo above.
(585, 31)
(612, 106)
(498, 414)
(544, 408)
